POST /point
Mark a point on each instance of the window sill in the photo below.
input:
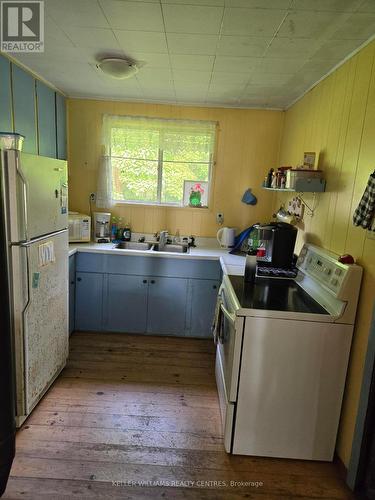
(161, 205)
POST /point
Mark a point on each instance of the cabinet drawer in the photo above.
(90, 262)
(163, 266)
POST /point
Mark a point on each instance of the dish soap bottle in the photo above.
(126, 234)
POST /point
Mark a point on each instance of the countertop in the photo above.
(231, 264)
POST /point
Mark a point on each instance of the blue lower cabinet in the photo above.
(203, 295)
(89, 301)
(72, 292)
(167, 306)
(125, 305)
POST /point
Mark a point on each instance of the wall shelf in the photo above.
(303, 186)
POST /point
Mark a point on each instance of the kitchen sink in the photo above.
(171, 247)
(134, 245)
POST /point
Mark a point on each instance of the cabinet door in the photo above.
(61, 126)
(126, 303)
(72, 292)
(46, 120)
(203, 301)
(24, 108)
(89, 301)
(5, 96)
(167, 301)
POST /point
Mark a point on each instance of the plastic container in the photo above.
(9, 140)
(295, 175)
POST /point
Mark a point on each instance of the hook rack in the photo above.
(312, 209)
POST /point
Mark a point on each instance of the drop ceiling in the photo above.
(239, 53)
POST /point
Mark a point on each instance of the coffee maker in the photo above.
(276, 244)
(102, 229)
(273, 257)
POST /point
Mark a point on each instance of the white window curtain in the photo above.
(170, 136)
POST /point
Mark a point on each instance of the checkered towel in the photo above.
(365, 212)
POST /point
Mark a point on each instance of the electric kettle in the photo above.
(225, 236)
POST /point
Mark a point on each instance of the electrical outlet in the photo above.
(220, 218)
(93, 197)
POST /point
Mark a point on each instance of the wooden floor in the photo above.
(136, 417)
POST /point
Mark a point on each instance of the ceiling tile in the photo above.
(229, 79)
(265, 90)
(367, 6)
(235, 64)
(359, 26)
(154, 77)
(93, 37)
(290, 48)
(181, 76)
(336, 49)
(137, 16)
(151, 60)
(252, 22)
(192, 19)
(263, 4)
(282, 66)
(55, 36)
(210, 3)
(242, 45)
(179, 43)
(304, 24)
(269, 78)
(142, 41)
(327, 5)
(84, 13)
(190, 62)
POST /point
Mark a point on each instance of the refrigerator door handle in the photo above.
(24, 196)
(26, 244)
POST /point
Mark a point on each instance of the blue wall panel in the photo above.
(5, 96)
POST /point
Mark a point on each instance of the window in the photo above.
(150, 158)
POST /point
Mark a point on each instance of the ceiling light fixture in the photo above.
(117, 67)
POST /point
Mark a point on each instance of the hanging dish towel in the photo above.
(365, 212)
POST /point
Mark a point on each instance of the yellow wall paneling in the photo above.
(337, 120)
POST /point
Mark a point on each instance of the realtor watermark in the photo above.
(22, 26)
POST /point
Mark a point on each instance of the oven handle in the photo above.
(230, 317)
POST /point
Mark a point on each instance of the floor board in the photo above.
(138, 417)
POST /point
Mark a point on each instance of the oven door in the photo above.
(229, 341)
(228, 337)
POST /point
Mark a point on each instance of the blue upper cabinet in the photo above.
(5, 96)
(24, 108)
(61, 126)
(46, 120)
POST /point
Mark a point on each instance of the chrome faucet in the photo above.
(163, 237)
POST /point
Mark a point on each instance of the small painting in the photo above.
(309, 160)
(196, 194)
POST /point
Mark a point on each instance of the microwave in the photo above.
(79, 227)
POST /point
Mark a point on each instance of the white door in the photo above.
(41, 338)
(46, 193)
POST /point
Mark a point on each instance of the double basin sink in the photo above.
(153, 246)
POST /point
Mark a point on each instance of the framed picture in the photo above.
(309, 160)
(195, 194)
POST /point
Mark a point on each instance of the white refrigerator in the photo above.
(34, 215)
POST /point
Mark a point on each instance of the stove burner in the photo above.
(276, 272)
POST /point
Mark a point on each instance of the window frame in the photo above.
(160, 163)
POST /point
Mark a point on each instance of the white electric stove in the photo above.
(282, 354)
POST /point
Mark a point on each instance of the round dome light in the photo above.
(117, 68)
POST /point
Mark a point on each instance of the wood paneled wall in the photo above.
(248, 143)
(337, 120)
